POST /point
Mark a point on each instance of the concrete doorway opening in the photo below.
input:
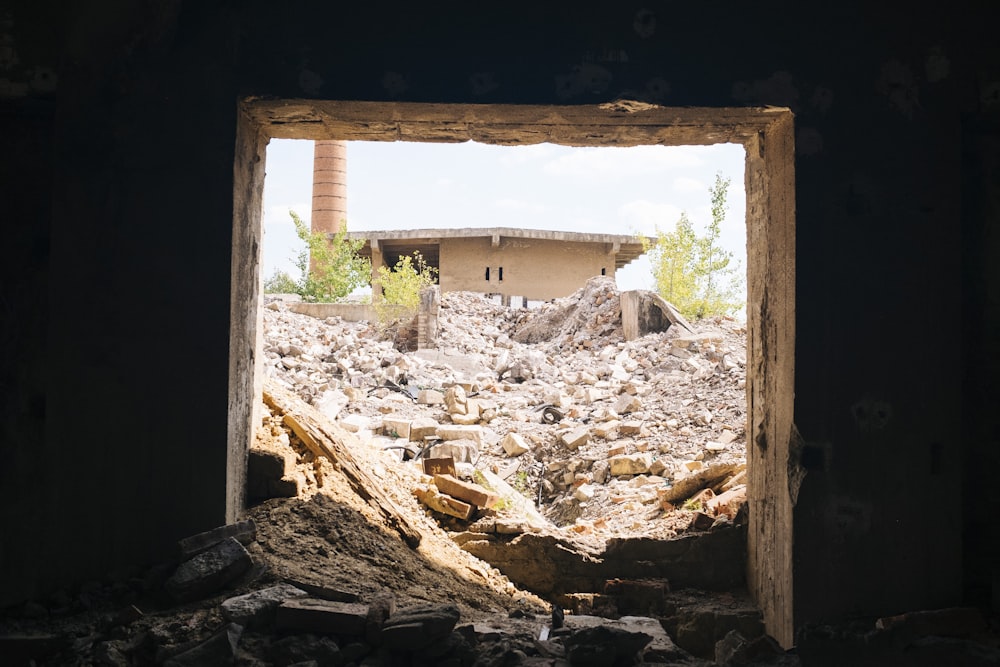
(765, 134)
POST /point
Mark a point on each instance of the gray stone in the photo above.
(323, 616)
(219, 649)
(417, 627)
(299, 649)
(209, 571)
(605, 646)
(258, 608)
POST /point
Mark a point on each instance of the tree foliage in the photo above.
(280, 283)
(336, 267)
(402, 283)
(695, 273)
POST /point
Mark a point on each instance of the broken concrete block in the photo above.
(244, 531)
(266, 474)
(470, 492)
(219, 649)
(726, 437)
(685, 487)
(467, 419)
(631, 464)
(607, 430)
(627, 403)
(305, 649)
(322, 616)
(514, 444)
(456, 400)
(474, 433)
(209, 571)
(417, 627)
(397, 426)
(576, 438)
(631, 427)
(715, 447)
(422, 427)
(430, 397)
(461, 451)
(605, 645)
(727, 503)
(444, 504)
(657, 467)
(355, 423)
(584, 492)
(257, 609)
(379, 611)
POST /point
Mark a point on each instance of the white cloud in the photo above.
(513, 156)
(510, 204)
(688, 184)
(444, 182)
(278, 213)
(617, 162)
(644, 216)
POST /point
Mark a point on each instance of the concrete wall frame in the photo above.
(767, 135)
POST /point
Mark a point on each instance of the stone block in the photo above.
(461, 451)
(219, 649)
(417, 627)
(322, 616)
(422, 427)
(355, 423)
(244, 531)
(430, 397)
(627, 403)
(456, 400)
(209, 571)
(631, 464)
(257, 609)
(396, 425)
(474, 433)
(576, 438)
(468, 491)
(607, 430)
(444, 504)
(631, 427)
(514, 444)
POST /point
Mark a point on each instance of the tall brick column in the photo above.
(329, 195)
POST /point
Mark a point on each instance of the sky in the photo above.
(606, 190)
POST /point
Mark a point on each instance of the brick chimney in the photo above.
(329, 195)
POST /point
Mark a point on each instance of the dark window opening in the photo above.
(487, 273)
(500, 274)
(604, 271)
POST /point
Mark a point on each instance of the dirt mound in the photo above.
(592, 313)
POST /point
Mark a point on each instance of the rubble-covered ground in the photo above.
(575, 452)
(596, 431)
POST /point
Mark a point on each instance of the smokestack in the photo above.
(329, 196)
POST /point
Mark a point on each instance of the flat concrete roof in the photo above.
(628, 247)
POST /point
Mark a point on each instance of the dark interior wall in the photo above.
(115, 377)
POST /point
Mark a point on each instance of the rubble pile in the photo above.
(605, 437)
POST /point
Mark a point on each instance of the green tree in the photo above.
(695, 273)
(402, 283)
(331, 267)
(280, 283)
